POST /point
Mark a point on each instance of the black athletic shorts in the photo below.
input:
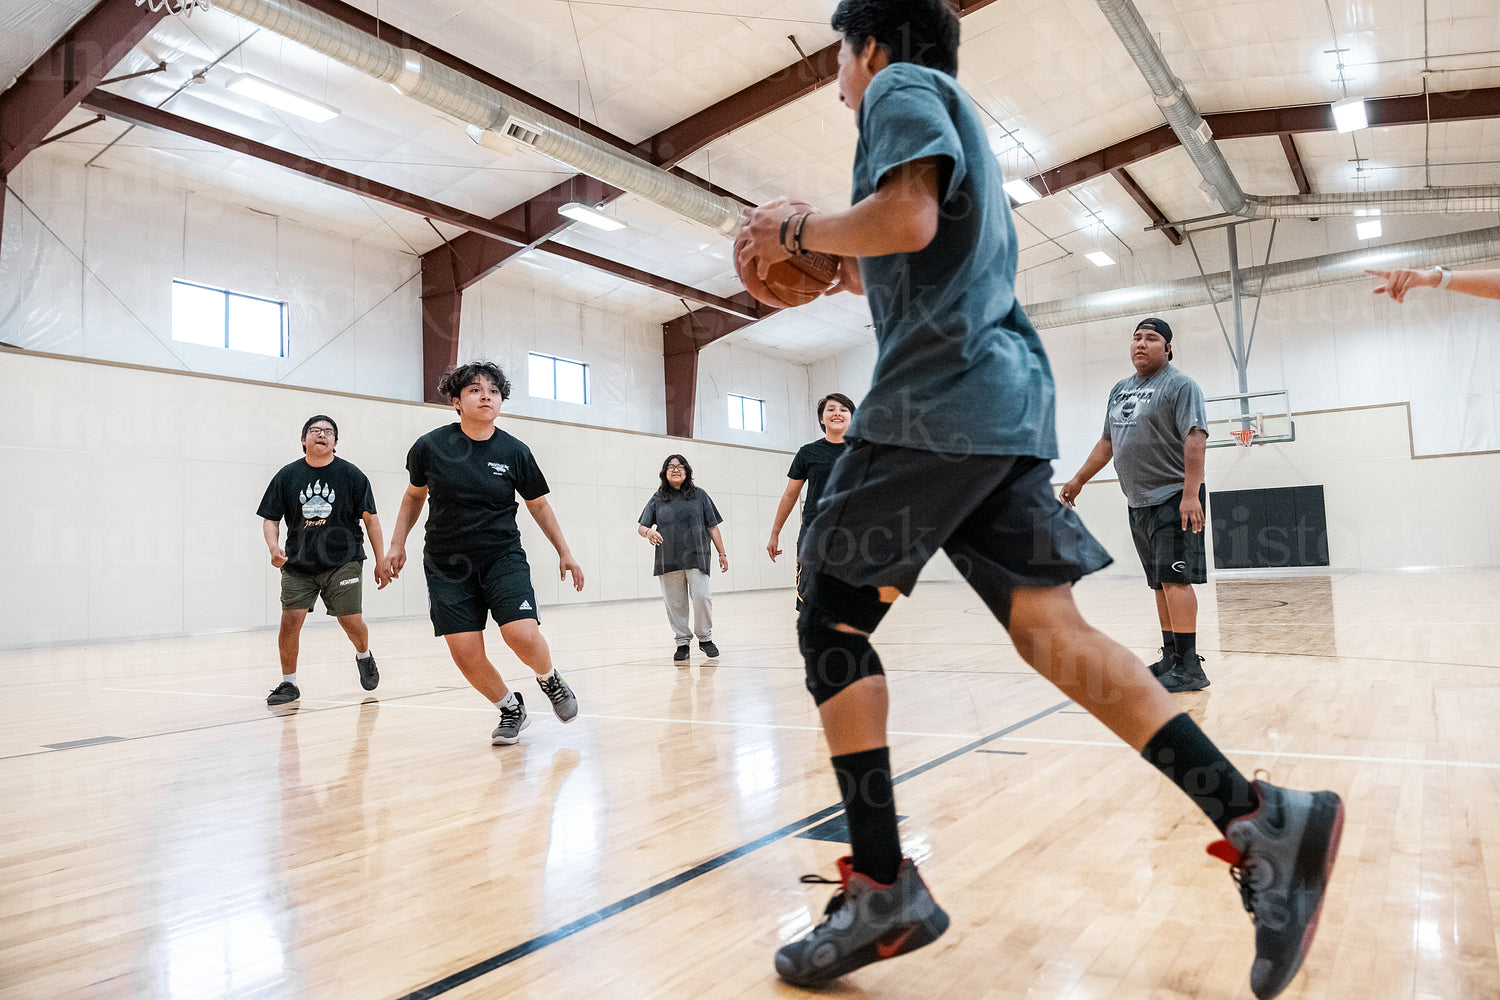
(1169, 554)
(461, 592)
(887, 510)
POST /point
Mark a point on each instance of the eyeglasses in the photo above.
(674, 465)
(323, 431)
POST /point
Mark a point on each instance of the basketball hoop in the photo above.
(174, 6)
(1247, 434)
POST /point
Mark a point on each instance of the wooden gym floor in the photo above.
(165, 834)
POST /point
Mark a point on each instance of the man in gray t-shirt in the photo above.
(1156, 430)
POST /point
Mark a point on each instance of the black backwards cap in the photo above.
(1158, 325)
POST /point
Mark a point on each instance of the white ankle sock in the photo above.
(290, 678)
(362, 656)
(509, 701)
(548, 675)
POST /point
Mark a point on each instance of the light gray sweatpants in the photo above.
(678, 589)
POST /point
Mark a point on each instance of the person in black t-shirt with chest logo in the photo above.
(811, 465)
(473, 559)
(323, 499)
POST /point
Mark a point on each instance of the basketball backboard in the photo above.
(1263, 417)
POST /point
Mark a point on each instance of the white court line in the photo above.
(1271, 753)
(581, 715)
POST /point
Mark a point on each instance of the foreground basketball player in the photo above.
(472, 556)
(950, 449)
(323, 499)
(1156, 430)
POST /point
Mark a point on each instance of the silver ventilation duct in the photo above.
(447, 90)
(1197, 140)
(1288, 276)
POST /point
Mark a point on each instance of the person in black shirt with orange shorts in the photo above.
(473, 559)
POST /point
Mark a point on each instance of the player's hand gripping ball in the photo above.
(794, 281)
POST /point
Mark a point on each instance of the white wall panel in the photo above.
(137, 517)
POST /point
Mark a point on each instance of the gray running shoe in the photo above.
(283, 693)
(561, 696)
(369, 676)
(512, 721)
(1281, 856)
(864, 922)
(1184, 676)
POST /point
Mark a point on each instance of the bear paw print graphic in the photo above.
(317, 500)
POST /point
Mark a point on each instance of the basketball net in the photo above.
(1247, 434)
(174, 6)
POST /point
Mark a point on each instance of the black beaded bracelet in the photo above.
(797, 248)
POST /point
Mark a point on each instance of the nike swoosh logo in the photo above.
(890, 949)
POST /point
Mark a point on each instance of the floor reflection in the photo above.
(1277, 615)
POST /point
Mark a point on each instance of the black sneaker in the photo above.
(709, 649)
(863, 923)
(1281, 856)
(369, 676)
(681, 654)
(285, 692)
(1163, 664)
(1185, 675)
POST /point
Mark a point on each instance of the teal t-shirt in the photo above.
(959, 368)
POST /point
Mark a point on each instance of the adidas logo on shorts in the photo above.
(525, 606)
(345, 583)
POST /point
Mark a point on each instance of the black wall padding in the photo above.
(1256, 529)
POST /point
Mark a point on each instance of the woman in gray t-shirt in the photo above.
(680, 520)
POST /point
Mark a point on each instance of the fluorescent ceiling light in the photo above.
(1022, 191)
(1100, 259)
(1367, 230)
(579, 212)
(1349, 115)
(267, 92)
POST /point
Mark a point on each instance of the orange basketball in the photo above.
(792, 282)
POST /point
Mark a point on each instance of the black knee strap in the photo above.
(834, 659)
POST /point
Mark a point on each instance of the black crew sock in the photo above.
(870, 807)
(1182, 752)
(1187, 647)
(1168, 644)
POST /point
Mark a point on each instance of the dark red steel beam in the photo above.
(55, 83)
(1445, 106)
(144, 115)
(795, 80)
(682, 339)
(1148, 206)
(1294, 162)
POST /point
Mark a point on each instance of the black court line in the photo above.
(541, 941)
(91, 742)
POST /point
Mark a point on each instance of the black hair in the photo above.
(666, 491)
(848, 405)
(314, 419)
(456, 380)
(924, 32)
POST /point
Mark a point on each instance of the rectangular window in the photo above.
(746, 413)
(559, 378)
(215, 317)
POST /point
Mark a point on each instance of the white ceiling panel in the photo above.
(1050, 72)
